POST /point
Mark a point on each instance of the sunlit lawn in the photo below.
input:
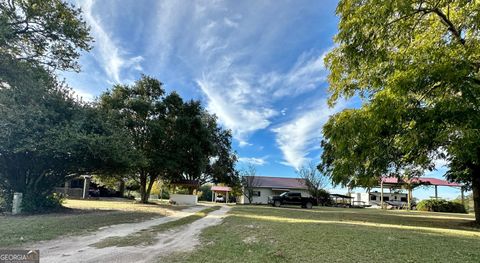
(82, 217)
(120, 205)
(266, 234)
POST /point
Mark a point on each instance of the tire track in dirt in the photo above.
(185, 238)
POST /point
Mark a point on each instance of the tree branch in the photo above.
(451, 27)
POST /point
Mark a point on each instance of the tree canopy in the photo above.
(416, 64)
(141, 111)
(49, 32)
(47, 137)
(176, 141)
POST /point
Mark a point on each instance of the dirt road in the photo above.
(77, 249)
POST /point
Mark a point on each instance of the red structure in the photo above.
(220, 189)
(410, 184)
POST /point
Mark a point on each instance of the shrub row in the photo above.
(440, 205)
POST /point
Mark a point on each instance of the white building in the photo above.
(265, 186)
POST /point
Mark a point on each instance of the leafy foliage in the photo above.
(206, 193)
(324, 198)
(175, 140)
(203, 148)
(416, 65)
(140, 110)
(49, 32)
(47, 136)
(440, 205)
(5, 200)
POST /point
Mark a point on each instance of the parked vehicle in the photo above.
(292, 198)
(220, 199)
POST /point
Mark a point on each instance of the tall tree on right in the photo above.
(416, 63)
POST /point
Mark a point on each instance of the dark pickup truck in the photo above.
(292, 198)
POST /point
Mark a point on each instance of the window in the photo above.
(386, 198)
(373, 198)
(256, 193)
(403, 199)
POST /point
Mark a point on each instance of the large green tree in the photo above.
(141, 110)
(175, 140)
(48, 32)
(47, 137)
(416, 64)
(203, 149)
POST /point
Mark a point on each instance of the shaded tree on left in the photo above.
(47, 136)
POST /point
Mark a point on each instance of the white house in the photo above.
(265, 186)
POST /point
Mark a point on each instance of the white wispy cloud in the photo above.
(110, 54)
(229, 22)
(243, 100)
(236, 111)
(300, 136)
(253, 160)
(83, 94)
(223, 47)
(304, 76)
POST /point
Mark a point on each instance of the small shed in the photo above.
(184, 199)
(224, 190)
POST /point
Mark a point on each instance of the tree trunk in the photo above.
(121, 188)
(476, 195)
(150, 185)
(143, 187)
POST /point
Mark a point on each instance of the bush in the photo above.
(40, 204)
(205, 193)
(440, 205)
(165, 194)
(5, 201)
(323, 197)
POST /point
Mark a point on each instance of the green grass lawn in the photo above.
(81, 217)
(266, 234)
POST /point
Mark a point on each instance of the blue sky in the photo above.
(258, 65)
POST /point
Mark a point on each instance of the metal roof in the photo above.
(279, 182)
(342, 196)
(420, 181)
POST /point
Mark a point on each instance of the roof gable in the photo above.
(279, 182)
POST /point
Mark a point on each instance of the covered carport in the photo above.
(224, 190)
(410, 184)
(341, 200)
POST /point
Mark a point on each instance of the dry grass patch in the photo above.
(120, 205)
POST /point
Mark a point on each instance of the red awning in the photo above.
(420, 181)
(221, 188)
